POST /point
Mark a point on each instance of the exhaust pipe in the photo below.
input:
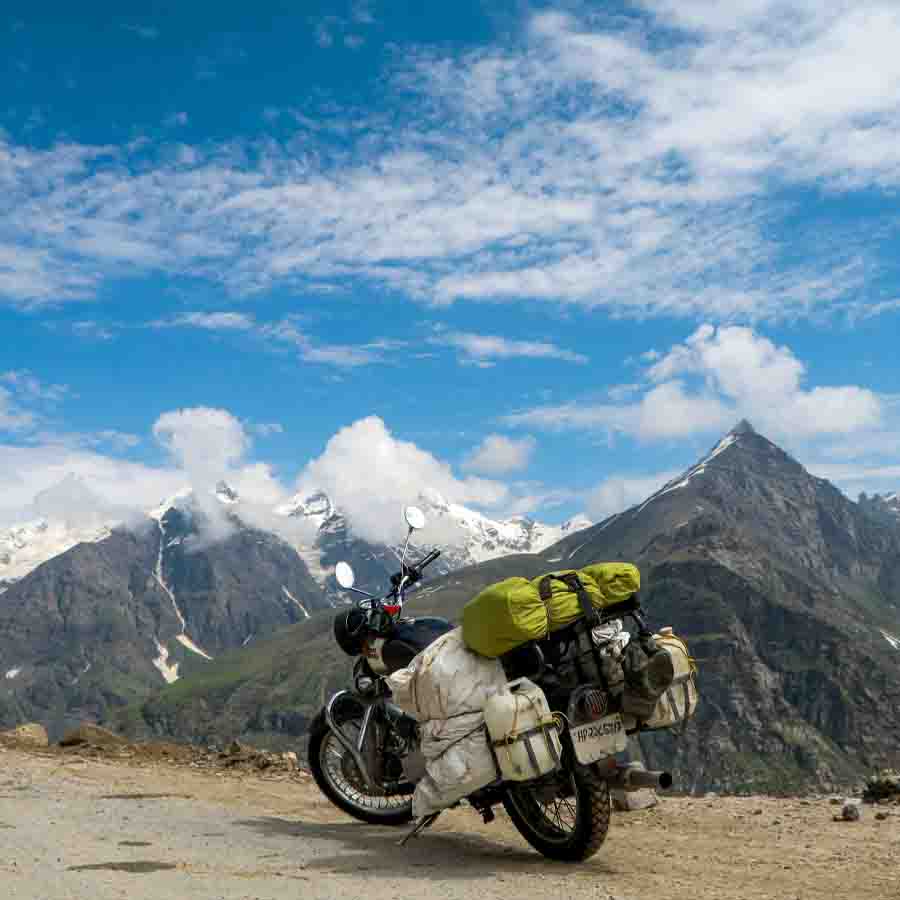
(633, 778)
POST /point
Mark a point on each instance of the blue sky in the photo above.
(541, 254)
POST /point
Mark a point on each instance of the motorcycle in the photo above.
(364, 750)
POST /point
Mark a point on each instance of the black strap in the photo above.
(584, 641)
(573, 583)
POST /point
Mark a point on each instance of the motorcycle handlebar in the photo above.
(428, 559)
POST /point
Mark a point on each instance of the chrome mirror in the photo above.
(343, 573)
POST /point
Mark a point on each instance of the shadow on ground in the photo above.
(440, 855)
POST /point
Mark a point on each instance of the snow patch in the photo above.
(168, 672)
(724, 444)
(12, 673)
(578, 548)
(185, 641)
(293, 599)
(892, 640)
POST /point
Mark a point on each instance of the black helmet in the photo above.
(349, 631)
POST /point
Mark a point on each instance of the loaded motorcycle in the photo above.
(364, 750)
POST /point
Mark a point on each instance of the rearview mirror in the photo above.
(414, 516)
(343, 573)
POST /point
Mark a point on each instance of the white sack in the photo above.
(446, 679)
(467, 766)
(446, 688)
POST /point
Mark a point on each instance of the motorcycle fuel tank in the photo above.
(408, 638)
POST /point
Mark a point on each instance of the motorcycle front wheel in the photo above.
(566, 819)
(340, 780)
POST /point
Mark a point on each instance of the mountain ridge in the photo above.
(787, 592)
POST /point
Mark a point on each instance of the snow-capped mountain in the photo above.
(24, 547)
(467, 537)
(319, 532)
(885, 507)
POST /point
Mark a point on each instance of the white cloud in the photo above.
(497, 455)
(619, 492)
(27, 385)
(210, 446)
(371, 475)
(215, 321)
(12, 417)
(27, 471)
(23, 398)
(265, 429)
(590, 163)
(117, 440)
(347, 356)
(717, 376)
(284, 332)
(205, 442)
(147, 32)
(482, 349)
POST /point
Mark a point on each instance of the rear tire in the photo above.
(324, 751)
(564, 828)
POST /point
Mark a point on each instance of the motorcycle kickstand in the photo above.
(419, 827)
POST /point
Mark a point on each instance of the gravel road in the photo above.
(78, 828)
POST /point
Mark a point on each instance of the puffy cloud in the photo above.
(28, 472)
(208, 445)
(497, 455)
(764, 382)
(371, 475)
(717, 376)
(206, 442)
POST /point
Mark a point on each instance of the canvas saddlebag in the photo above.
(679, 701)
(513, 612)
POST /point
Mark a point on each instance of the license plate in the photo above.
(595, 740)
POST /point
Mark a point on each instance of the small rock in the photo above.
(631, 801)
(850, 812)
(836, 801)
(31, 735)
(757, 812)
(291, 759)
(881, 816)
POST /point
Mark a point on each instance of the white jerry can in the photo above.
(523, 732)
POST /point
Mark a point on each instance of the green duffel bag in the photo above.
(616, 581)
(504, 616)
(510, 613)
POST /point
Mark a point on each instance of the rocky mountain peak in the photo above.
(226, 493)
(743, 427)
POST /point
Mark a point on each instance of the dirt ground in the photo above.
(78, 826)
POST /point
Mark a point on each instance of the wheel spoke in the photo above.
(333, 759)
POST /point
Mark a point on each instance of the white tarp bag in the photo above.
(445, 689)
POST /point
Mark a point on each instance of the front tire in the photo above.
(339, 780)
(569, 824)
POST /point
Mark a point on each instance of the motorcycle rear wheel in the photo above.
(568, 825)
(338, 779)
